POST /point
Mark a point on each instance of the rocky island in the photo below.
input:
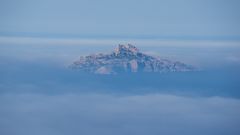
(127, 59)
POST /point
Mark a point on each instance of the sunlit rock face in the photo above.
(127, 58)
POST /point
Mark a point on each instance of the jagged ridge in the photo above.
(127, 58)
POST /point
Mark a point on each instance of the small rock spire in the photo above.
(126, 48)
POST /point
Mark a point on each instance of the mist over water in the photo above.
(39, 94)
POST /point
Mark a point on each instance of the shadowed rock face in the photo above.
(127, 58)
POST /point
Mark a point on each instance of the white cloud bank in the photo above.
(112, 115)
(115, 41)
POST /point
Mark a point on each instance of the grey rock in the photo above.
(127, 58)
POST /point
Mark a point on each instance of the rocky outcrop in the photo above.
(127, 58)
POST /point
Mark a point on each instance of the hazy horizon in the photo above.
(40, 94)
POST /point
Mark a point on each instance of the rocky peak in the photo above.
(127, 58)
(126, 49)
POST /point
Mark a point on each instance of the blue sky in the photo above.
(207, 19)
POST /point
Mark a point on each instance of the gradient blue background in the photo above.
(40, 95)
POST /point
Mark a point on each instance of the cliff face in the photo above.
(127, 58)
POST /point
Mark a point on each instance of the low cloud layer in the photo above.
(202, 53)
(39, 95)
(91, 114)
